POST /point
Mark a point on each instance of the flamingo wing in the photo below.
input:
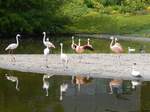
(11, 46)
(87, 47)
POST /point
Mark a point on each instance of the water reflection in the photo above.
(13, 79)
(115, 86)
(93, 96)
(80, 80)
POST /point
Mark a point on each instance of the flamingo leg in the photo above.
(46, 61)
(80, 58)
(13, 57)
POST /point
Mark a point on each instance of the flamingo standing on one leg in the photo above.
(13, 46)
(116, 47)
(80, 49)
(46, 83)
(63, 56)
(46, 52)
(46, 42)
(63, 88)
(13, 79)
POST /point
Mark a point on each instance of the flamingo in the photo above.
(13, 79)
(63, 56)
(46, 52)
(63, 88)
(134, 72)
(46, 83)
(116, 47)
(115, 84)
(80, 49)
(130, 50)
(13, 46)
(80, 80)
(73, 45)
(47, 43)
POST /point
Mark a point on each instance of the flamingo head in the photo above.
(61, 44)
(116, 39)
(44, 33)
(72, 37)
(112, 37)
(18, 35)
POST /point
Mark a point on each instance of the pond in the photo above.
(92, 95)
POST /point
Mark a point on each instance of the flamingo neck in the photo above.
(44, 37)
(61, 49)
(72, 40)
(133, 68)
(17, 40)
(88, 42)
(111, 44)
(79, 43)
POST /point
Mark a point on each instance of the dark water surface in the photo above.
(93, 96)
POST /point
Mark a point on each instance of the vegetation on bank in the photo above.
(75, 16)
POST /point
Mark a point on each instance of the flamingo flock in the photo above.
(115, 47)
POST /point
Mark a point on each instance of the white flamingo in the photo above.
(46, 52)
(13, 79)
(63, 88)
(63, 56)
(46, 42)
(130, 50)
(13, 46)
(46, 83)
(134, 72)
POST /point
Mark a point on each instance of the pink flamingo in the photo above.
(116, 47)
(80, 49)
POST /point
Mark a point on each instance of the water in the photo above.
(93, 96)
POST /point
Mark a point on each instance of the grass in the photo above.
(112, 24)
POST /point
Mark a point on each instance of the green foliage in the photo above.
(31, 16)
(35, 16)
